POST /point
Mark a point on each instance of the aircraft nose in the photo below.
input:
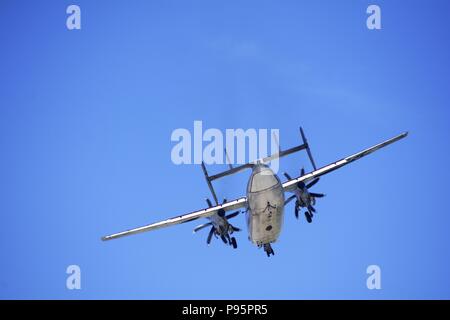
(262, 181)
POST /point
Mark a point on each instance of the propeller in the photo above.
(304, 198)
(223, 233)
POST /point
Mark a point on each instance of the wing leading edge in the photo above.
(291, 184)
(207, 212)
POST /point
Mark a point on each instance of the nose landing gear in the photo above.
(268, 249)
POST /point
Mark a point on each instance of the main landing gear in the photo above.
(308, 216)
(229, 240)
(234, 243)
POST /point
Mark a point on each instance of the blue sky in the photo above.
(86, 118)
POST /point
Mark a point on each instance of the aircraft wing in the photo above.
(291, 184)
(232, 205)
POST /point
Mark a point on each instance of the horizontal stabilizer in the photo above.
(277, 155)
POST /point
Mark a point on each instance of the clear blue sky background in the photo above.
(85, 124)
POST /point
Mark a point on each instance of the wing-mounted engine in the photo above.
(304, 198)
(220, 227)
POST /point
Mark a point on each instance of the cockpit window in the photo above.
(262, 181)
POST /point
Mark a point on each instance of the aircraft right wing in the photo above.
(203, 213)
(291, 184)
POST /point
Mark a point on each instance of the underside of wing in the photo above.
(291, 184)
(207, 212)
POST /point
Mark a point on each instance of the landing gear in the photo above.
(234, 243)
(224, 239)
(308, 216)
(230, 240)
(268, 249)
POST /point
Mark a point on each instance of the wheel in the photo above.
(308, 217)
(224, 239)
(233, 242)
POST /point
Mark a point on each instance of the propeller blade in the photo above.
(232, 215)
(289, 199)
(200, 227)
(211, 232)
(317, 195)
(296, 212)
(309, 185)
(287, 176)
(236, 229)
(208, 202)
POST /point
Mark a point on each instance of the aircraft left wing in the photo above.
(291, 185)
(207, 212)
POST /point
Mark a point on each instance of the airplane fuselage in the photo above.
(265, 209)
